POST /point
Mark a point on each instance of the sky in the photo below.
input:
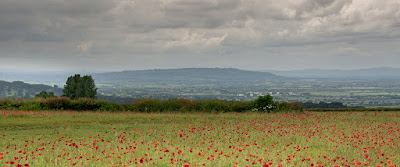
(116, 35)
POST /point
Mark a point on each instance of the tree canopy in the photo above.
(44, 94)
(77, 87)
(264, 103)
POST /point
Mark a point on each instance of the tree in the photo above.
(78, 87)
(44, 94)
(264, 103)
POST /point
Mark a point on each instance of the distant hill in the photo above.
(47, 78)
(19, 89)
(201, 76)
(185, 76)
(371, 73)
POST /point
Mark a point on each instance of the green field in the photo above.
(67, 138)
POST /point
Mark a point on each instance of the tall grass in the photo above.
(70, 138)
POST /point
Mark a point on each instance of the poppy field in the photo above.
(69, 138)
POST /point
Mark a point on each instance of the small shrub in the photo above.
(189, 105)
(11, 103)
(181, 105)
(85, 104)
(149, 105)
(130, 107)
(56, 103)
(215, 106)
(3, 104)
(288, 107)
(34, 104)
(172, 105)
(240, 106)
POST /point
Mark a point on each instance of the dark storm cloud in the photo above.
(137, 34)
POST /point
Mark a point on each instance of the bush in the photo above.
(11, 104)
(189, 105)
(130, 107)
(85, 104)
(44, 94)
(34, 104)
(3, 104)
(182, 105)
(287, 107)
(56, 103)
(215, 105)
(264, 103)
(172, 105)
(107, 106)
(149, 105)
(240, 106)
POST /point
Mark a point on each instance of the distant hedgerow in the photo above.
(147, 105)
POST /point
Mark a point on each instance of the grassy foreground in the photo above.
(68, 138)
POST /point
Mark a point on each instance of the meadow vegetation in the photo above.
(71, 138)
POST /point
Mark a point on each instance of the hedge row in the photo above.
(142, 105)
(351, 109)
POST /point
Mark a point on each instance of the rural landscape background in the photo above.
(371, 88)
(199, 83)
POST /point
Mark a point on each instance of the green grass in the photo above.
(48, 138)
(330, 93)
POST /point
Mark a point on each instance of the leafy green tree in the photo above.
(264, 103)
(44, 94)
(77, 87)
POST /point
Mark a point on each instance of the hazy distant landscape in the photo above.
(378, 87)
(385, 73)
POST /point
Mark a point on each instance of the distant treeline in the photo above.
(339, 107)
(142, 105)
(351, 109)
(325, 105)
(19, 89)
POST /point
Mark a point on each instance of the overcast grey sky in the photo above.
(114, 35)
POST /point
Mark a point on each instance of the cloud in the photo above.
(138, 31)
(84, 47)
(357, 16)
(196, 40)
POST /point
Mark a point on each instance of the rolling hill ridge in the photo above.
(185, 75)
